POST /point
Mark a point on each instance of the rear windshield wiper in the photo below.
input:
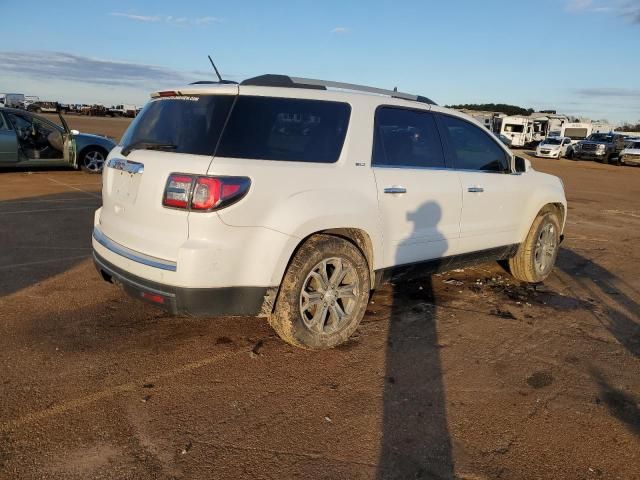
(146, 145)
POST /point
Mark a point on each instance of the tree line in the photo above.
(629, 127)
(494, 107)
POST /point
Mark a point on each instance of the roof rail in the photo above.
(271, 80)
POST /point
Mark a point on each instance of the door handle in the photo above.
(475, 189)
(395, 189)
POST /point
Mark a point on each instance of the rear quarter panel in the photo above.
(299, 199)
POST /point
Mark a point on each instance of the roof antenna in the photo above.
(214, 67)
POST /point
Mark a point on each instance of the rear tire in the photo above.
(536, 256)
(323, 295)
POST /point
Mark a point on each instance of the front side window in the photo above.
(472, 147)
(285, 129)
(3, 123)
(406, 138)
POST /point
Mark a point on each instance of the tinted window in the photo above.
(3, 124)
(406, 138)
(285, 129)
(473, 149)
(190, 124)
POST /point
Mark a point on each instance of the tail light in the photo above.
(199, 193)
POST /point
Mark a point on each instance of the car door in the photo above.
(492, 196)
(69, 150)
(419, 198)
(566, 143)
(8, 141)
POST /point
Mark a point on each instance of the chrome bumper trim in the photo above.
(138, 257)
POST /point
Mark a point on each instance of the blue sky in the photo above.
(577, 56)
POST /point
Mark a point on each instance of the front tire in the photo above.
(323, 295)
(536, 256)
(92, 159)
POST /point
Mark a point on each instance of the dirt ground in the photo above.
(464, 375)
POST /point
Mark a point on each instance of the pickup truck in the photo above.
(604, 147)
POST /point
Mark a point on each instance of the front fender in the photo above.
(544, 190)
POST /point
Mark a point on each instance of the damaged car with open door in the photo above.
(28, 140)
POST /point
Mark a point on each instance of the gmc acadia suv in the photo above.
(294, 198)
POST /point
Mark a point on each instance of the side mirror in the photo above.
(520, 164)
(75, 132)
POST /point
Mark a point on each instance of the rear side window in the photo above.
(285, 129)
(189, 124)
(406, 138)
(473, 148)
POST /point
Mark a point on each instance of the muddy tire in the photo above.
(323, 295)
(537, 254)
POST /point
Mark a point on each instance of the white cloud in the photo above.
(339, 30)
(139, 18)
(627, 9)
(170, 19)
(578, 5)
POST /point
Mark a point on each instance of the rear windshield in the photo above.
(575, 133)
(264, 128)
(190, 124)
(285, 129)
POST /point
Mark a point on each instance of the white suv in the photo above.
(293, 198)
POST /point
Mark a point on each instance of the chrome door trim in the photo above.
(395, 189)
(137, 257)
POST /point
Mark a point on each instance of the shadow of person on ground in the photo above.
(415, 437)
(43, 236)
(621, 311)
(621, 405)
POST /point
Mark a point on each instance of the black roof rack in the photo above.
(271, 80)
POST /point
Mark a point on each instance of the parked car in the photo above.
(12, 100)
(30, 140)
(293, 198)
(554, 147)
(631, 153)
(123, 111)
(44, 107)
(604, 147)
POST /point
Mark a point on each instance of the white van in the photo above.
(11, 100)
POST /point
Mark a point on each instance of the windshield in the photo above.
(552, 141)
(600, 137)
(634, 145)
(189, 124)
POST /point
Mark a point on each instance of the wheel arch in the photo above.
(87, 148)
(558, 208)
(356, 236)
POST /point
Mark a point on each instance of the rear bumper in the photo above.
(194, 302)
